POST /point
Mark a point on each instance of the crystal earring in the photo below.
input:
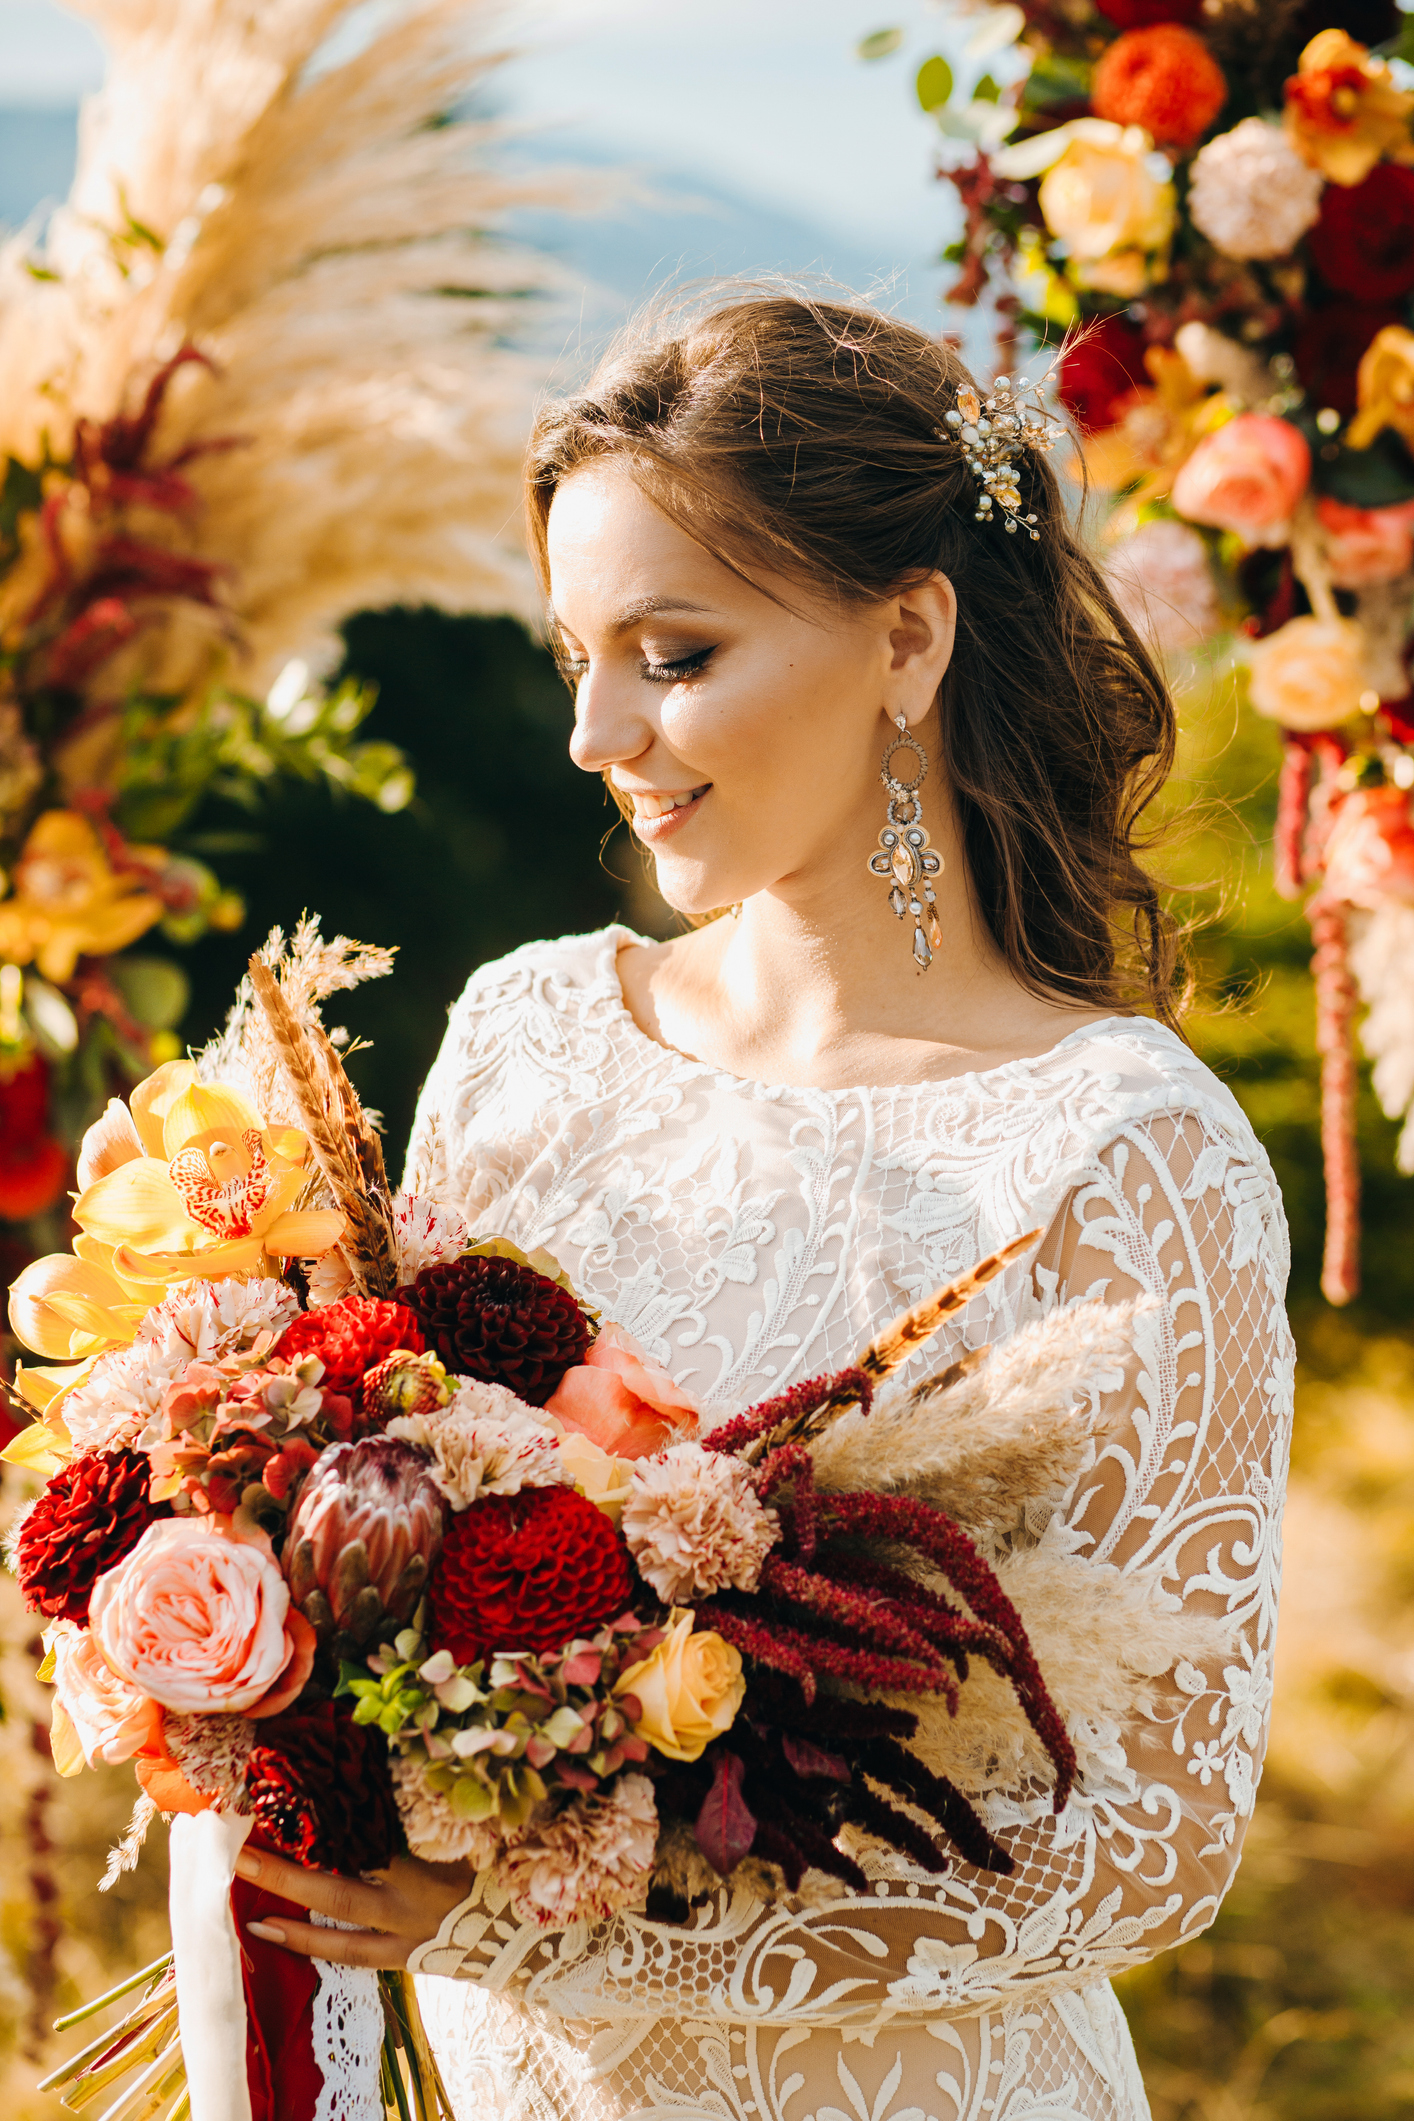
(904, 853)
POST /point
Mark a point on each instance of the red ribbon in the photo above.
(280, 1987)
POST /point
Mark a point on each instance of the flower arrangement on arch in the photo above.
(363, 1534)
(1218, 221)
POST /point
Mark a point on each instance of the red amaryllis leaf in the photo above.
(725, 1828)
(808, 1759)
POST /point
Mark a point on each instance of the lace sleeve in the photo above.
(1191, 1482)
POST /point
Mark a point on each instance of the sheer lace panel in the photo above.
(716, 1212)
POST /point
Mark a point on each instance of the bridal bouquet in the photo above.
(362, 1534)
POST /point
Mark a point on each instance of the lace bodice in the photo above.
(749, 1236)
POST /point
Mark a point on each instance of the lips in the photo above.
(657, 814)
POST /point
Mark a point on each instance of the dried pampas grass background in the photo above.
(328, 242)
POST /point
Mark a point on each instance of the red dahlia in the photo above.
(350, 1337)
(1100, 369)
(527, 1572)
(1163, 78)
(89, 1516)
(320, 1788)
(1141, 14)
(499, 1320)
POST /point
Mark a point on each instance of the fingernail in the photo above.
(247, 1865)
(267, 1930)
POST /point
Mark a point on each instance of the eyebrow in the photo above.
(647, 608)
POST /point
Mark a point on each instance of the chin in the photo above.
(689, 891)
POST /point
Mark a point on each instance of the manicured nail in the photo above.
(268, 1931)
(248, 1865)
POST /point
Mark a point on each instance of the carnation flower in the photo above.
(90, 1514)
(1247, 477)
(527, 1572)
(694, 1524)
(425, 1233)
(201, 1321)
(1163, 78)
(439, 1833)
(1363, 244)
(319, 1786)
(350, 1337)
(587, 1860)
(485, 1442)
(499, 1320)
(1309, 674)
(1161, 581)
(1251, 194)
(212, 1753)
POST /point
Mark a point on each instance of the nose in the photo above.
(610, 727)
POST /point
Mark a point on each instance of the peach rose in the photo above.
(109, 1718)
(687, 1691)
(1101, 199)
(1247, 477)
(1370, 853)
(1310, 674)
(198, 1616)
(622, 1400)
(1366, 544)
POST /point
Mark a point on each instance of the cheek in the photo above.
(785, 713)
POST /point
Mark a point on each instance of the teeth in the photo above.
(659, 805)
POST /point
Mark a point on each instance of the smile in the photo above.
(655, 816)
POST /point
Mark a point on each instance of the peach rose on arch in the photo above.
(1247, 477)
(1366, 544)
(1310, 674)
(623, 1400)
(198, 1617)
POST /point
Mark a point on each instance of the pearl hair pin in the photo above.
(992, 432)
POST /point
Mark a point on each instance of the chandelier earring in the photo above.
(904, 855)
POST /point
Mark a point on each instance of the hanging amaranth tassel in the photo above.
(1335, 1043)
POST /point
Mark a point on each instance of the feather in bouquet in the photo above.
(361, 1534)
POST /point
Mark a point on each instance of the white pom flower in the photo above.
(485, 1441)
(695, 1524)
(1250, 193)
(1161, 581)
(200, 1321)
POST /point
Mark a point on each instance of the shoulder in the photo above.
(574, 973)
(1125, 1069)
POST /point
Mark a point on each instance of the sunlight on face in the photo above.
(747, 735)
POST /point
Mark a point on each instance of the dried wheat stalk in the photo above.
(346, 1148)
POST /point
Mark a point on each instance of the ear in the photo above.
(922, 626)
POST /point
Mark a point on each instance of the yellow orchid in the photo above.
(1385, 387)
(68, 899)
(1345, 110)
(1159, 431)
(185, 1182)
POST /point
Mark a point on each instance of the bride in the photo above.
(795, 638)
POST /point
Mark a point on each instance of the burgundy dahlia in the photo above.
(88, 1518)
(350, 1337)
(500, 1321)
(527, 1572)
(321, 1790)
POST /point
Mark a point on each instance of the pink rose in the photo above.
(198, 1616)
(623, 1400)
(1247, 478)
(112, 1719)
(1367, 544)
(1370, 852)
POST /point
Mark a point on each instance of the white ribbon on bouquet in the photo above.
(207, 1959)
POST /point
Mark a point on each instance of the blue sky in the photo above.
(769, 144)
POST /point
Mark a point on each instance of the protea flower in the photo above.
(364, 1535)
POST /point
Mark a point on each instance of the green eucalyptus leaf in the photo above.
(1056, 81)
(878, 44)
(987, 91)
(934, 83)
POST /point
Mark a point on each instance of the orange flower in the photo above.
(185, 1182)
(1384, 387)
(1344, 112)
(69, 901)
(1157, 430)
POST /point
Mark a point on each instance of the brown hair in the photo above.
(802, 439)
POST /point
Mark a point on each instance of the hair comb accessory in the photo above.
(993, 431)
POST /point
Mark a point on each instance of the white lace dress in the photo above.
(751, 1236)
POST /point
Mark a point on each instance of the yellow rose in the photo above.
(688, 1690)
(1310, 673)
(1385, 387)
(1102, 200)
(600, 1477)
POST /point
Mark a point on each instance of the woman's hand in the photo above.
(399, 1909)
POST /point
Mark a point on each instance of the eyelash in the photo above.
(673, 673)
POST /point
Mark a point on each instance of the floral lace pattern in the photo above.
(752, 1235)
(347, 2032)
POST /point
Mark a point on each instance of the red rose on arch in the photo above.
(1363, 243)
(1163, 78)
(1328, 349)
(33, 1167)
(1100, 370)
(1142, 14)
